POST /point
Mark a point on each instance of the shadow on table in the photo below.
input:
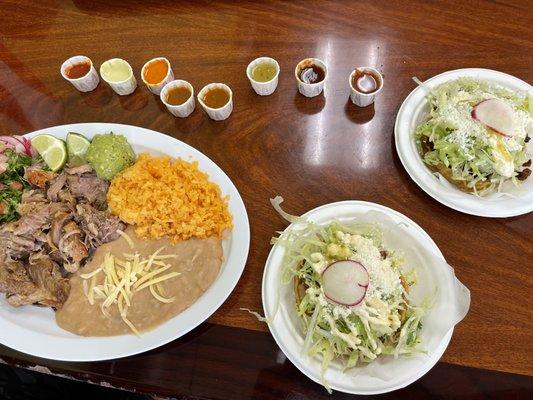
(309, 105)
(359, 115)
(135, 101)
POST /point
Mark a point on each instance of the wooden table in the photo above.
(310, 151)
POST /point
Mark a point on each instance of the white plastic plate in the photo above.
(414, 110)
(33, 330)
(280, 307)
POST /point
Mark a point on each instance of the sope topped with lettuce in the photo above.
(352, 293)
(476, 134)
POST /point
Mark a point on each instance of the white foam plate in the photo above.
(414, 110)
(279, 306)
(33, 330)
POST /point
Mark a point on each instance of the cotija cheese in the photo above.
(166, 197)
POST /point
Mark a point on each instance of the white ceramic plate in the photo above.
(414, 110)
(285, 328)
(33, 330)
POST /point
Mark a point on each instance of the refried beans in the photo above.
(198, 261)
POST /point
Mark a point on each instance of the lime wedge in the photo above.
(52, 150)
(77, 146)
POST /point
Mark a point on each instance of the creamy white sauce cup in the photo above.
(156, 88)
(310, 89)
(122, 87)
(217, 114)
(181, 110)
(85, 83)
(263, 88)
(359, 98)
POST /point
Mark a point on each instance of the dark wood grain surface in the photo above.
(310, 151)
(219, 362)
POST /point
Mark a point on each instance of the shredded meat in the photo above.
(426, 145)
(88, 187)
(38, 177)
(524, 174)
(39, 281)
(66, 197)
(16, 283)
(55, 186)
(99, 226)
(72, 247)
(46, 274)
(32, 200)
(14, 246)
(79, 170)
(56, 229)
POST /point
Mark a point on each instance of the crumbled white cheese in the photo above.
(318, 262)
(343, 237)
(343, 311)
(523, 123)
(316, 257)
(319, 296)
(319, 266)
(466, 129)
(383, 279)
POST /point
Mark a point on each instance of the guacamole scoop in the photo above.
(110, 154)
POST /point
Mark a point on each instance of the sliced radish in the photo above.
(28, 148)
(11, 142)
(345, 282)
(497, 115)
(18, 143)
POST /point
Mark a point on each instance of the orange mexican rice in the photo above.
(165, 197)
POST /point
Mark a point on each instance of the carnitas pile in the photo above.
(51, 231)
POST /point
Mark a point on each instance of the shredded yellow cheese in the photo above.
(126, 237)
(124, 277)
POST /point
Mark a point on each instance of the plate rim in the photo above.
(243, 253)
(439, 351)
(479, 211)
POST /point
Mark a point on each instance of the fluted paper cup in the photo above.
(217, 114)
(125, 87)
(181, 110)
(263, 88)
(156, 88)
(361, 99)
(85, 83)
(310, 89)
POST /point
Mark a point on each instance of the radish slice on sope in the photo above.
(497, 115)
(345, 282)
